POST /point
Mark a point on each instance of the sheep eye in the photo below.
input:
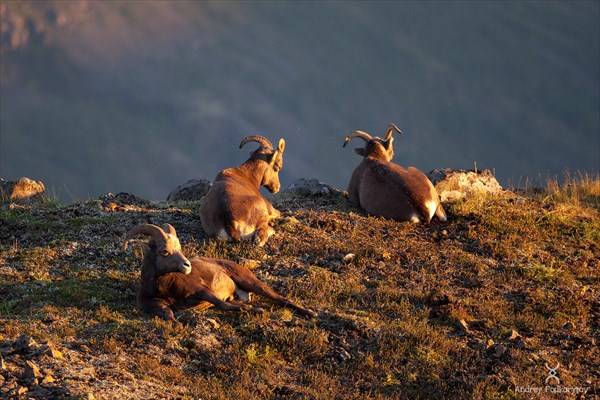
(165, 253)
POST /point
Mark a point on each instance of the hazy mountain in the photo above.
(142, 96)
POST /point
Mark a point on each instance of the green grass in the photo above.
(389, 318)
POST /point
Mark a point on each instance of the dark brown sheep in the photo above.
(385, 189)
(170, 282)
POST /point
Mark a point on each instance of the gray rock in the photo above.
(500, 350)
(477, 345)
(24, 343)
(311, 187)
(32, 370)
(194, 189)
(513, 335)
(50, 351)
(23, 191)
(456, 184)
(122, 200)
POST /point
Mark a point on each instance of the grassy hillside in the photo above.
(142, 96)
(473, 308)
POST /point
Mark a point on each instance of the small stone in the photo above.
(500, 350)
(32, 370)
(476, 345)
(49, 351)
(348, 258)
(521, 344)
(38, 392)
(462, 325)
(343, 355)
(19, 390)
(513, 335)
(31, 382)
(121, 200)
(8, 386)
(24, 343)
(84, 348)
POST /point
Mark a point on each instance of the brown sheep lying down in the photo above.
(234, 209)
(170, 282)
(386, 189)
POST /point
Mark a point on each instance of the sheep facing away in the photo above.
(386, 189)
(170, 281)
(234, 208)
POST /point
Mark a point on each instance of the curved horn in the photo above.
(153, 231)
(168, 228)
(264, 142)
(363, 135)
(390, 129)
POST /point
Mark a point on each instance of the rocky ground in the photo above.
(478, 307)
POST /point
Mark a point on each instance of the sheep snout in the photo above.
(186, 267)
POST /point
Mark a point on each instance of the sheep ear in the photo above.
(388, 143)
(275, 155)
(360, 151)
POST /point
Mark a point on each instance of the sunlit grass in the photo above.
(417, 312)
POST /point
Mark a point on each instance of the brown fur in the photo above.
(168, 284)
(234, 204)
(386, 189)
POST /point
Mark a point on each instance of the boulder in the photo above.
(23, 191)
(456, 184)
(311, 187)
(194, 189)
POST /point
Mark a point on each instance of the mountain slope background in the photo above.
(142, 96)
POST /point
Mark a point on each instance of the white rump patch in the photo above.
(242, 296)
(246, 236)
(245, 231)
(223, 235)
(431, 205)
